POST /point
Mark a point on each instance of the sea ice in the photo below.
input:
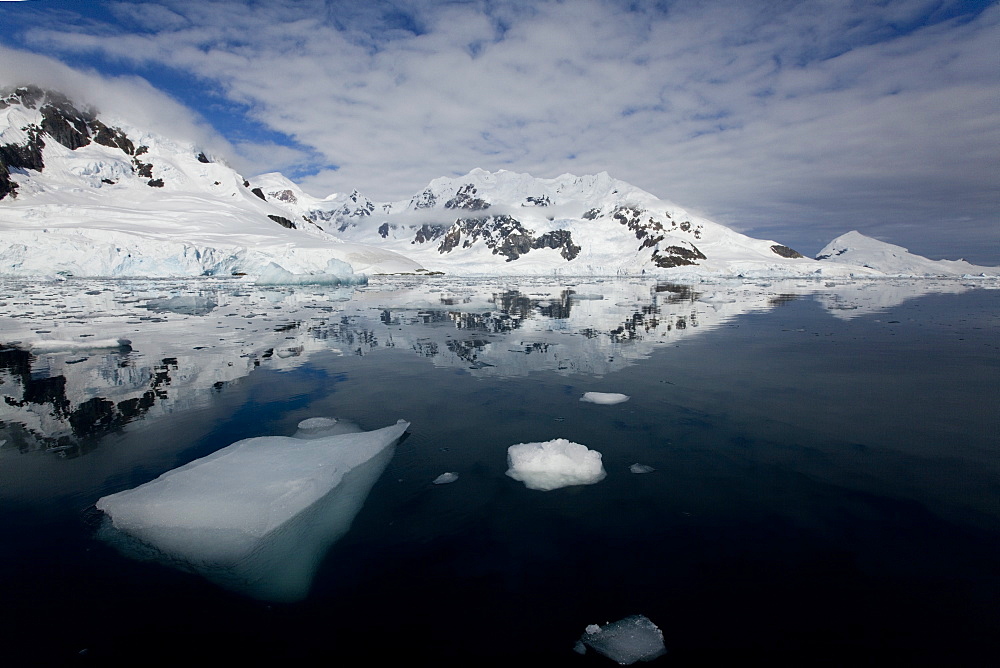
(554, 464)
(641, 468)
(257, 516)
(607, 398)
(445, 478)
(626, 641)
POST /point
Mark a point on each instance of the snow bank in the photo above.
(554, 464)
(626, 641)
(606, 398)
(258, 515)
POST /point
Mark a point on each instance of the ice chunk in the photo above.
(641, 468)
(320, 427)
(626, 641)
(445, 478)
(604, 398)
(554, 464)
(257, 516)
(52, 345)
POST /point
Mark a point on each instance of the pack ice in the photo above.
(626, 641)
(257, 516)
(554, 464)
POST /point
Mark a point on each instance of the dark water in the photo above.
(826, 489)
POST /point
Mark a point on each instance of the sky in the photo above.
(792, 120)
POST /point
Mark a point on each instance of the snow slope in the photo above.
(859, 250)
(79, 197)
(509, 223)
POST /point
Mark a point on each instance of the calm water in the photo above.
(826, 486)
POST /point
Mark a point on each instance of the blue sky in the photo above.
(795, 120)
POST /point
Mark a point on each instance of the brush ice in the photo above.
(626, 641)
(554, 464)
(258, 515)
(606, 398)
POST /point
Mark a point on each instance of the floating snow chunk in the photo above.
(52, 345)
(186, 305)
(445, 478)
(641, 468)
(257, 516)
(626, 641)
(554, 464)
(606, 398)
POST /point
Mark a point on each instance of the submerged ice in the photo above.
(258, 515)
(607, 398)
(554, 464)
(626, 641)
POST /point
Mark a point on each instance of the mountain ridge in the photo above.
(81, 196)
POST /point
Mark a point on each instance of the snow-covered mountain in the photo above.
(86, 196)
(510, 223)
(858, 250)
(89, 196)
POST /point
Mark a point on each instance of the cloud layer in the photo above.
(797, 120)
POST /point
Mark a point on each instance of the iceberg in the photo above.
(257, 516)
(626, 641)
(607, 398)
(445, 478)
(554, 464)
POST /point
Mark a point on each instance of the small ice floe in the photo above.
(641, 468)
(257, 516)
(54, 345)
(554, 464)
(626, 641)
(445, 478)
(606, 398)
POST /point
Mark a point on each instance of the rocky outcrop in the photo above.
(466, 199)
(505, 236)
(63, 122)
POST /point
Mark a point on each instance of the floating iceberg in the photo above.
(554, 464)
(604, 398)
(445, 478)
(626, 641)
(257, 516)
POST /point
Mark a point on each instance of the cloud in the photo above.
(802, 119)
(128, 100)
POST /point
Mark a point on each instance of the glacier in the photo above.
(257, 516)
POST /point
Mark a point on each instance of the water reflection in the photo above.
(79, 363)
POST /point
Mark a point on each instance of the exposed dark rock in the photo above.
(465, 199)
(677, 256)
(155, 183)
(538, 201)
(383, 230)
(112, 137)
(428, 232)
(785, 251)
(203, 158)
(424, 200)
(561, 240)
(259, 193)
(20, 156)
(592, 214)
(143, 169)
(505, 236)
(828, 256)
(284, 222)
